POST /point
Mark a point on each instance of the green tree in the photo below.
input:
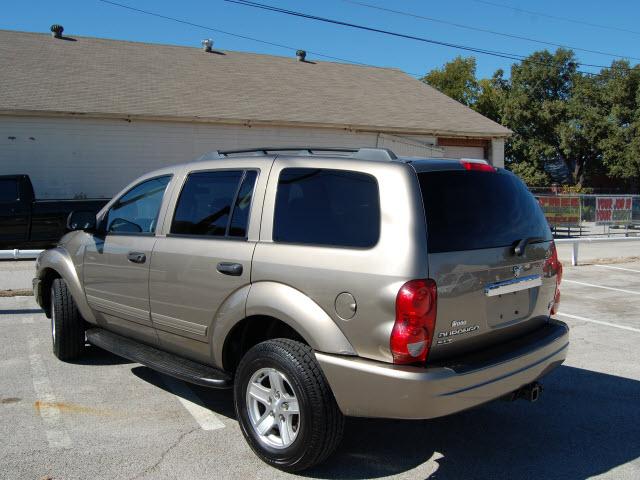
(457, 79)
(591, 123)
(619, 122)
(536, 109)
(604, 124)
(491, 96)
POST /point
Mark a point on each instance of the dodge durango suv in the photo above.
(318, 284)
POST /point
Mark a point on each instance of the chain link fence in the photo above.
(571, 215)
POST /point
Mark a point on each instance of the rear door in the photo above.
(487, 292)
(204, 258)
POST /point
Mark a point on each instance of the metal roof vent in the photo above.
(301, 55)
(56, 30)
(207, 45)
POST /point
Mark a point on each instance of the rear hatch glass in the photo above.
(469, 210)
(475, 219)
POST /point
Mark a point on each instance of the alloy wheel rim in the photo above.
(273, 408)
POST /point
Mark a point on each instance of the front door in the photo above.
(204, 258)
(116, 263)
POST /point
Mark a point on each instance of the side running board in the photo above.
(159, 360)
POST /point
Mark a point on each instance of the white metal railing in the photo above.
(17, 254)
(577, 241)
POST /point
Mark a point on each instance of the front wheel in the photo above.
(67, 326)
(285, 407)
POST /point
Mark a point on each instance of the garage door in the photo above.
(464, 152)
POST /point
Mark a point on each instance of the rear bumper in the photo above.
(366, 388)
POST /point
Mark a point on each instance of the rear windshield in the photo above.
(468, 210)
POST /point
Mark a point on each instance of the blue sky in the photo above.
(93, 18)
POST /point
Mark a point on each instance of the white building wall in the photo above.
(72, 157)
(496, 152)
(75, 157)
(410, 146)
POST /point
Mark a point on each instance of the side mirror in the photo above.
(82, 220)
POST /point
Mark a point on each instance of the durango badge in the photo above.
(457, 328)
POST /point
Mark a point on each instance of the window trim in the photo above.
(106, 232)
(325, 245)
(235, 200)
(226, 235)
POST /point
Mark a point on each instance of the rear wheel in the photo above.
(285, 407)
(67, 326)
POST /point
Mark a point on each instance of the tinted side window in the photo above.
(137, 210)
(327, 207)
(8, 190)
(205, 203)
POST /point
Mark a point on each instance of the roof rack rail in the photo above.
(368, 153)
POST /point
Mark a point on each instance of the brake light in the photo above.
(416, 308)
(478, 166)
(552, 265)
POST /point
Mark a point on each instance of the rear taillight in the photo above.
(553, 266)
(477, 165)
(416, 307)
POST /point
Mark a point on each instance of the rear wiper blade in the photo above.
(522, 244)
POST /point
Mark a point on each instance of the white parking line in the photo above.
(599, 322)
(205, 417)
(617, 268)
(601, 286)
(57, 436)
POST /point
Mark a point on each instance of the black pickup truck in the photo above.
(27, 222)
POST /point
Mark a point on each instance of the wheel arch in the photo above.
(272, 306)
(57, 263)
(249, 332)
(46, 278)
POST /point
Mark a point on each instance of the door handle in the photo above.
(136, 257)
(227, 268)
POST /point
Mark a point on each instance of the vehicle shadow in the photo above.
(217, 400)
(20, 311)
(96, 356)
(586, 423)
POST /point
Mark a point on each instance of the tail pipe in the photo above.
(530, 392)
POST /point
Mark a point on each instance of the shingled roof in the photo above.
(99, 77)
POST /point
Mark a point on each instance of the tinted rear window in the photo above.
(327, 207)
(469, 210)
(205, 203)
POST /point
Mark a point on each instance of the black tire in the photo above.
(321, 423)
(67, 326)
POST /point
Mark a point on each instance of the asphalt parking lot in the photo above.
(107, 418)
